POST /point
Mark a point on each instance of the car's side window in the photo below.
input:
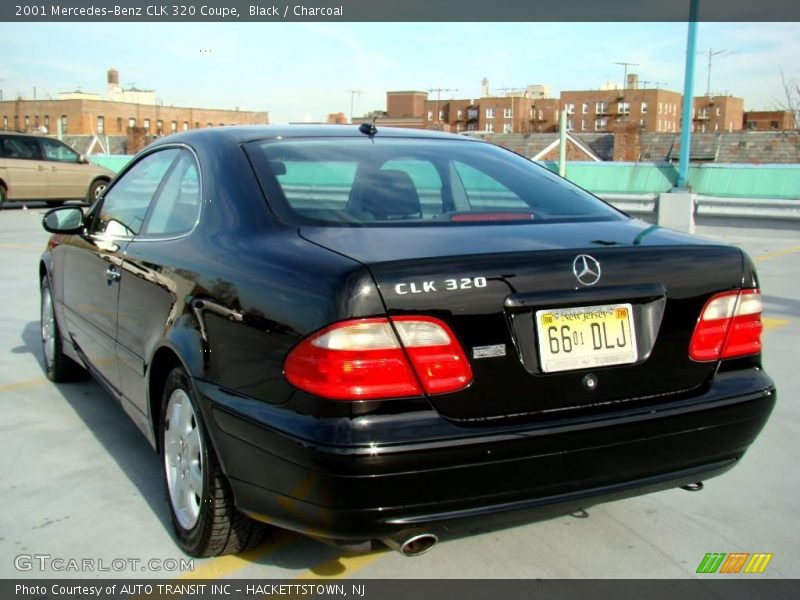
(55, 150)
(125, 205)
(17, 147)
(176, 208)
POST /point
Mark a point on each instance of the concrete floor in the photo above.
(79, 481)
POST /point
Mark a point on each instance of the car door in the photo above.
(68, 178)
(153, 287)
(25, 172)
(93, 262)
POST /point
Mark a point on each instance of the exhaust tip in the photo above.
(693, 487)
(411, 545)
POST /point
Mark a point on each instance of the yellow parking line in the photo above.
(20, 385)
(777, 253)
(773, 324)
(222, 566)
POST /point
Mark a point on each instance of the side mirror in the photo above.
(64, 219)
(82, 160)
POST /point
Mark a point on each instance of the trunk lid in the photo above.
(488, 283)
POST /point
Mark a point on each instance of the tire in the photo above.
(97, 188)
(204, 517)
(3, 196)
(58, 366)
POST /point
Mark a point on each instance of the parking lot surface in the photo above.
(79, 481)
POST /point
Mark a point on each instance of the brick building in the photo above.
(89, 114)
(769, 120)
(717, 113)
(601, 110)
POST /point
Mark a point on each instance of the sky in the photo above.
(303, 71)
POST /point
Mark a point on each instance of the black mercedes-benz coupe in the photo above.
(366, 334)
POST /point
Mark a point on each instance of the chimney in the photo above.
(113, 77)
(484, 88)
(633, 81)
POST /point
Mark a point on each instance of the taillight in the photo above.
(363, 359)
(729, 326)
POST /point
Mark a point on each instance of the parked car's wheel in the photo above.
(204, 517)
(98, 187)
(58, 366)
(3, 196)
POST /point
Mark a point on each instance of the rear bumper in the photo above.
(365, 478)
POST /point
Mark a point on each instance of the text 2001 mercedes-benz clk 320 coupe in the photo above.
(363, 334)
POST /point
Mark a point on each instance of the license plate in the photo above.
(585, 337)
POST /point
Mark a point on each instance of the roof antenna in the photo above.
(369, 128)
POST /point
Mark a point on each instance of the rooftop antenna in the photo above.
(711, 54)
(438, 96)
(625, 72)
(353, 94)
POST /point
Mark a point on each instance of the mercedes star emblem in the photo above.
(586, 269)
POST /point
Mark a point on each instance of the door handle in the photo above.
(112, 275)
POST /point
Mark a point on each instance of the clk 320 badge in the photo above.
(447, 285)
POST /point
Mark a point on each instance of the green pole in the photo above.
(562, 144)
(688, 97)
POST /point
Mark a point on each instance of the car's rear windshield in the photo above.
(411, 182)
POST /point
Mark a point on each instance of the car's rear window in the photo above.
(412, 182)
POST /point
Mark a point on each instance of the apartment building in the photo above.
(717, 113)
(769, 120)
(80, 113)
(590, 111)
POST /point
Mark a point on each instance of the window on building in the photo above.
(507, 127)
(716, 126)
(490, 127)
(642, 124)
(101, 125)
(601, 123)
(584, 124)
(508, 113)
(570, 124)
(197, 124)
(47, 122)
(719, 111)
(773, 124)
(751, 125)
(459, 127)
(569, 107)
(119, 124)
(186, 125)
(209, 124)
(173, 126)
(27, 122)
(459, 114)
(624, 108)
(159, 127)
(5, 123)
(430, 115)
(601, 108)
(146, 125)
(585, 108)
(131, 122)
(63, 123)
(441, 115)
(16, 122)
(490, 113)
(660, 107)
(36, 121)
(644, 108)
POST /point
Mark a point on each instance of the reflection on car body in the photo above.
(384, 336)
